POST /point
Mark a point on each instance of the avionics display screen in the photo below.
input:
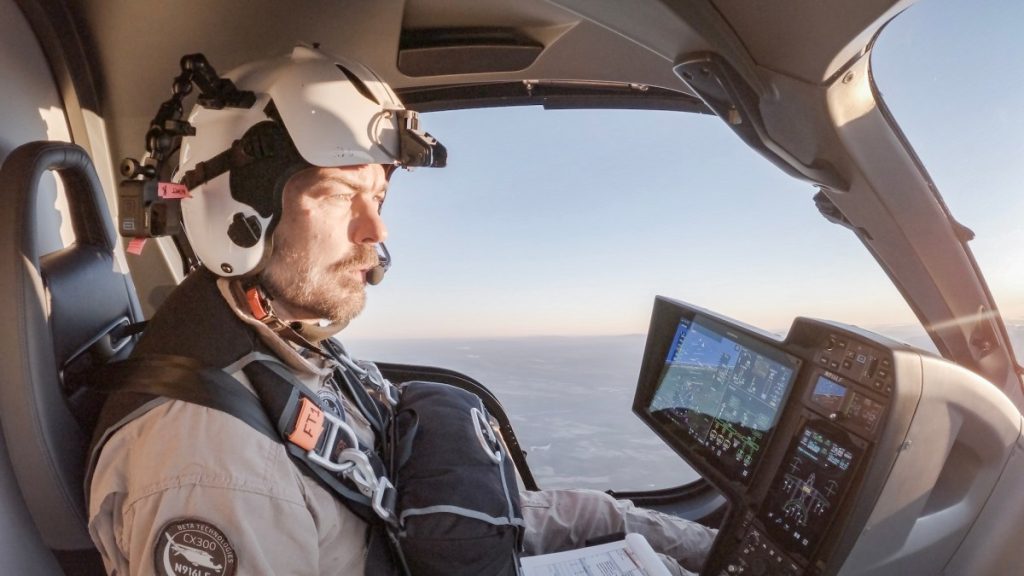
(722, 391)
(828, 394)
(856, 408)
(807, 489)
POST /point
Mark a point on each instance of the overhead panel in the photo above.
(448, 51)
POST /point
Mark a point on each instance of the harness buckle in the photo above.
(355, 465)
(485, 435)
(371, 375)
(385, 511)
(390, 392)
(375, 488)
(324, 456)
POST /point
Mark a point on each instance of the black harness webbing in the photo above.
(272, 411)
(281, 405)
(183, 378)
(357, 392)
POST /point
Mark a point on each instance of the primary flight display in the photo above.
(724, 390)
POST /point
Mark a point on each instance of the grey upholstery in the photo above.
(60, 316)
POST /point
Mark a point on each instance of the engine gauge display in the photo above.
(807, 489)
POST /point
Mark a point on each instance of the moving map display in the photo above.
(805, 493)
(723, 390)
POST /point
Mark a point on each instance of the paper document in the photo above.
(630, 557)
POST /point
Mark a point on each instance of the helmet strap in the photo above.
(254, 299)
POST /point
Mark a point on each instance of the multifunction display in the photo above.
(806, 491)
(723, 390)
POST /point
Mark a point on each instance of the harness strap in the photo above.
(255, 299)
(183, 378)
(373, 410)
(285, 405)
(274, 412)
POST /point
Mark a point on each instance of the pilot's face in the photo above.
(324, 242)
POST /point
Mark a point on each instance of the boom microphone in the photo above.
(376, 274)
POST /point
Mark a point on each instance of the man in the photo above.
(289, 240)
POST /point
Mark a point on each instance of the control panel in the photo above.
(787, 430)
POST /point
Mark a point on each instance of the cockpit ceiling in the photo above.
(134, 47)
(137, 44)
(807, 39)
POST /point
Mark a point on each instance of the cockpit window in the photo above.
(531, 263)
(952, 73)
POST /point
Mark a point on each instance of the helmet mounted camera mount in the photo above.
(147, 207)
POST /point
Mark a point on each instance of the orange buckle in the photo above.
(308, 427)
(255, 300)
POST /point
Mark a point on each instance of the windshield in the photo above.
(531, 263)
(951, 72)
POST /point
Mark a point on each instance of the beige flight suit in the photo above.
(184, 461)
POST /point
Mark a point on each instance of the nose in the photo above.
(368, 226)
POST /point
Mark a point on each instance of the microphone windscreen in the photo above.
(375, 275)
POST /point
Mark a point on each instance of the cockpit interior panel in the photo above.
(810, 439)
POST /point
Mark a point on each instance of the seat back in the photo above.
(62, 313)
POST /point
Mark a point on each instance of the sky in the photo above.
(952, 73)
(570, 222)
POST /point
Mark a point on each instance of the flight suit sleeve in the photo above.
(559, 520)
(224, 530)
(187, 490)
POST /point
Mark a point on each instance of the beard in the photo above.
(295, 279)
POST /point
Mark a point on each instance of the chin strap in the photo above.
(254, 299)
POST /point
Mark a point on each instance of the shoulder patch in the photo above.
(193, 547)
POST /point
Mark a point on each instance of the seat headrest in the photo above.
(59, 308)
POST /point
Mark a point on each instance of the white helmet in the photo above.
(310, 109)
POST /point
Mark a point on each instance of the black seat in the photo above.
(62, 313)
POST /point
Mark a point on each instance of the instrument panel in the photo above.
(786, 429)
